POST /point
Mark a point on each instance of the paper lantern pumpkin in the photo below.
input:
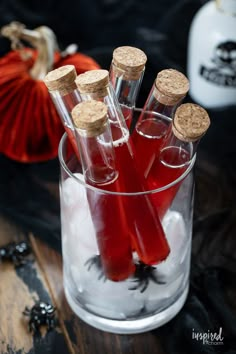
(30, 128)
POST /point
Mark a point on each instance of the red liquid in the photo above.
(111, 232)
(106, 209)
(170, 165)
(145, 229)
(147, 138)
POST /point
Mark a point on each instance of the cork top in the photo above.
(92, 81)
(61, 79)
(90, 116)
(129, 61)
(170, 86)
(190, 122)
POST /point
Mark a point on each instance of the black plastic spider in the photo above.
(41, 314)
(15, 252)
(95, 261)
(143, 275)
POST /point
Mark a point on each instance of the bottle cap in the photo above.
(170, 86)
(61, 79)
(90, 116)
(190, 122)
(93, 81)
(129, 62)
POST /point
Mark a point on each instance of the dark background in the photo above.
(160, 28)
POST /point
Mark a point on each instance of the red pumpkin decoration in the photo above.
(30, 128)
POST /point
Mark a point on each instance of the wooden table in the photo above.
(41, 279)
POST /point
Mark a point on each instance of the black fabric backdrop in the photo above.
(161, 29)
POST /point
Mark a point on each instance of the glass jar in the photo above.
(153, 294)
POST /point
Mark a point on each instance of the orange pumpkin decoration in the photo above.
(30, 128)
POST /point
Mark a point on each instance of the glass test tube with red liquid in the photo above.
(144, 226)
(98, 162)
(146, 232)
(65, 95)
(190, 123)
(168, 90)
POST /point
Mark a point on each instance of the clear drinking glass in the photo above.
(153, 294)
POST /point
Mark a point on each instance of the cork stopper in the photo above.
(61, 79)
(129, 62)
(90, 116)
(170, 87)
(93, 81)
(190, 122)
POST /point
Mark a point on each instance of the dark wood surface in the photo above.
(41, 278)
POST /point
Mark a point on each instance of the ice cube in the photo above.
(72, 190)
(77, 221)
(105, 297)
(175, 231)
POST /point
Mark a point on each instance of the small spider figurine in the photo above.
(41, 314)
(143, 275)
(15, 252)
(96, 262)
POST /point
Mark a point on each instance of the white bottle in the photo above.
(212, 54)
